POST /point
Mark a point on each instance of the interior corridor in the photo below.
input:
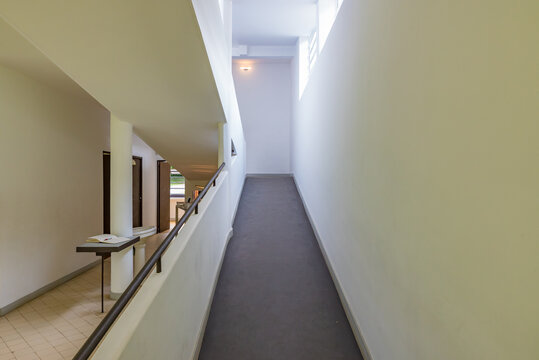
(275, 298)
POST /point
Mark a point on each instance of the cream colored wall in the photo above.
(51, 147)
(416, 149)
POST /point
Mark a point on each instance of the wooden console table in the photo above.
(104, 250)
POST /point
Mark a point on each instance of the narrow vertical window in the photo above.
(233, 151)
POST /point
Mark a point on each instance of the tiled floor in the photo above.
(56, 324)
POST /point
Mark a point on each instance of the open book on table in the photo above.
(107, 239)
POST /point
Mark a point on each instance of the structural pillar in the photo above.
(140, 255)
(121, 202)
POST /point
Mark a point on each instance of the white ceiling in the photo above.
(17, 53)
(272, 22)
(144, 61)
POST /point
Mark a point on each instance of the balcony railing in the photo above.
(99, 333)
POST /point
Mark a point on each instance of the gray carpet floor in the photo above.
(275, 298)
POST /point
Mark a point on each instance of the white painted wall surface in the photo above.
(121, 180)
(52, 168)
(415, 148)
(121, 202)
(265, 101)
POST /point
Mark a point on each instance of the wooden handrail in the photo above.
(155, 260)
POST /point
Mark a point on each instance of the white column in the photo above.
(121, 202)
(140, 255)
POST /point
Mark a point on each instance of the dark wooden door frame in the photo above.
(158, 222)
(106, 193)
(140, 219)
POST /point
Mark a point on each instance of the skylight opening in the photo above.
(309, 48)
(222, 8)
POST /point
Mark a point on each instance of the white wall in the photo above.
(415, 148)
(264, 97)
(51, 147)
(149, 181)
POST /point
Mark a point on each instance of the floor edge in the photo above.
(351, 320)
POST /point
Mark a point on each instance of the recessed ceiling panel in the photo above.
(266, 22)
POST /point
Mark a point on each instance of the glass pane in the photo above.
(177, 184)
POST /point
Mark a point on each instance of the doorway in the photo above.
(163, 196)
(137, 191)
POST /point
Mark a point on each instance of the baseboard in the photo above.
(238, 202)
(353, 323)
(214, 286)
(268, 175)
(208, 309)
(10, 307)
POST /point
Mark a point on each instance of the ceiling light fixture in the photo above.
(245, 68)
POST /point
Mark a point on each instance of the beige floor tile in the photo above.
(47, 329)
(42, 347)
(49, 355)
(26, 356)
(36, 340)
(74, 336)
(19, 323)
(65, 347)
(14, 342)
(19, 347)
(27, 331)
(68, 354)
(78, 343)
(10, 335)
(59, 341)
(53, 339)
(13, 315)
